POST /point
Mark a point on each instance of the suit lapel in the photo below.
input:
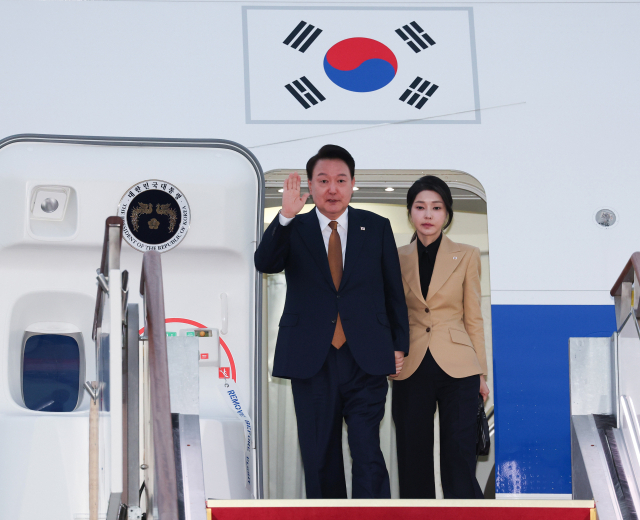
(446, 263)
(312, 236)
(411, 269)
(356, 235)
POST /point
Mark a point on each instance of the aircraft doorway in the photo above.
(383, 192)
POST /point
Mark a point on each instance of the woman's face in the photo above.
(428, 215)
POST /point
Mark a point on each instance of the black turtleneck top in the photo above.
(426, 261)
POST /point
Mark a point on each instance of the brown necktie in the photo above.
(335, 264)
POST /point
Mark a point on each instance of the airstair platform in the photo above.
(404, 509)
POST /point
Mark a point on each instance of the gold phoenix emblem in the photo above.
(165, 209)
(161, 209)
(140, 210)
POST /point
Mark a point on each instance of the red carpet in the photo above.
(400, 513)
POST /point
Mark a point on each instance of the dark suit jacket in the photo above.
(370, 299)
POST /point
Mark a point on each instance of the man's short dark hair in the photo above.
(331, 151)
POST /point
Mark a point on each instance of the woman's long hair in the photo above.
(431, 183)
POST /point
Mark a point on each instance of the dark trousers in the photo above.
(413, 407)
(341, 389)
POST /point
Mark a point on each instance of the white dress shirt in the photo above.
(343, 226)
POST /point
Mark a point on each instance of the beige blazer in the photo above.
(449, 322)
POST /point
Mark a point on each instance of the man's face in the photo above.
(331, 187)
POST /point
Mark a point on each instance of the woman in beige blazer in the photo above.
(446, 365)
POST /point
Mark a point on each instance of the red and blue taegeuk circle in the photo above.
(360, 64)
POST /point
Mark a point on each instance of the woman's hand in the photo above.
(484, 388)
(399, 362)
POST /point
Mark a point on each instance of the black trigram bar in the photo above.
(305, 92)
(412, 33)
(303, 32)
(420, 90)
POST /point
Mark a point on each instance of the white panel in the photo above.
(519, 297)
(592, 376)
(629, 361)
(54, 281)
(182, 355)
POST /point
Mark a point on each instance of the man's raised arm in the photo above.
(273, 251)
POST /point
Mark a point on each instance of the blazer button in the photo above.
(428, 329)
(426, 310)
(338, 296)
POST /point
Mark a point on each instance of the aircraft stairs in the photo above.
(163, 438)
(156, 372)
(605, 388)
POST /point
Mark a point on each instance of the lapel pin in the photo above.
(455, 257)
(361, 229)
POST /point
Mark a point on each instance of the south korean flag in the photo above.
(360, 65)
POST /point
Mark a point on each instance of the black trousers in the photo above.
(341, 389)
(413, 407)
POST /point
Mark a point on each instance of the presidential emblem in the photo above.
(156, 216)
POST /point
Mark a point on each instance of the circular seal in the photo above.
(156, 216)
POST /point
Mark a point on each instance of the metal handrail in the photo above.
(151, 288)
(625, 297)
(103, 271)
(109, 284)
(625, 293)
(633, 265)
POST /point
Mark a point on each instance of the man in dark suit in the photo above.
(345, 324)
